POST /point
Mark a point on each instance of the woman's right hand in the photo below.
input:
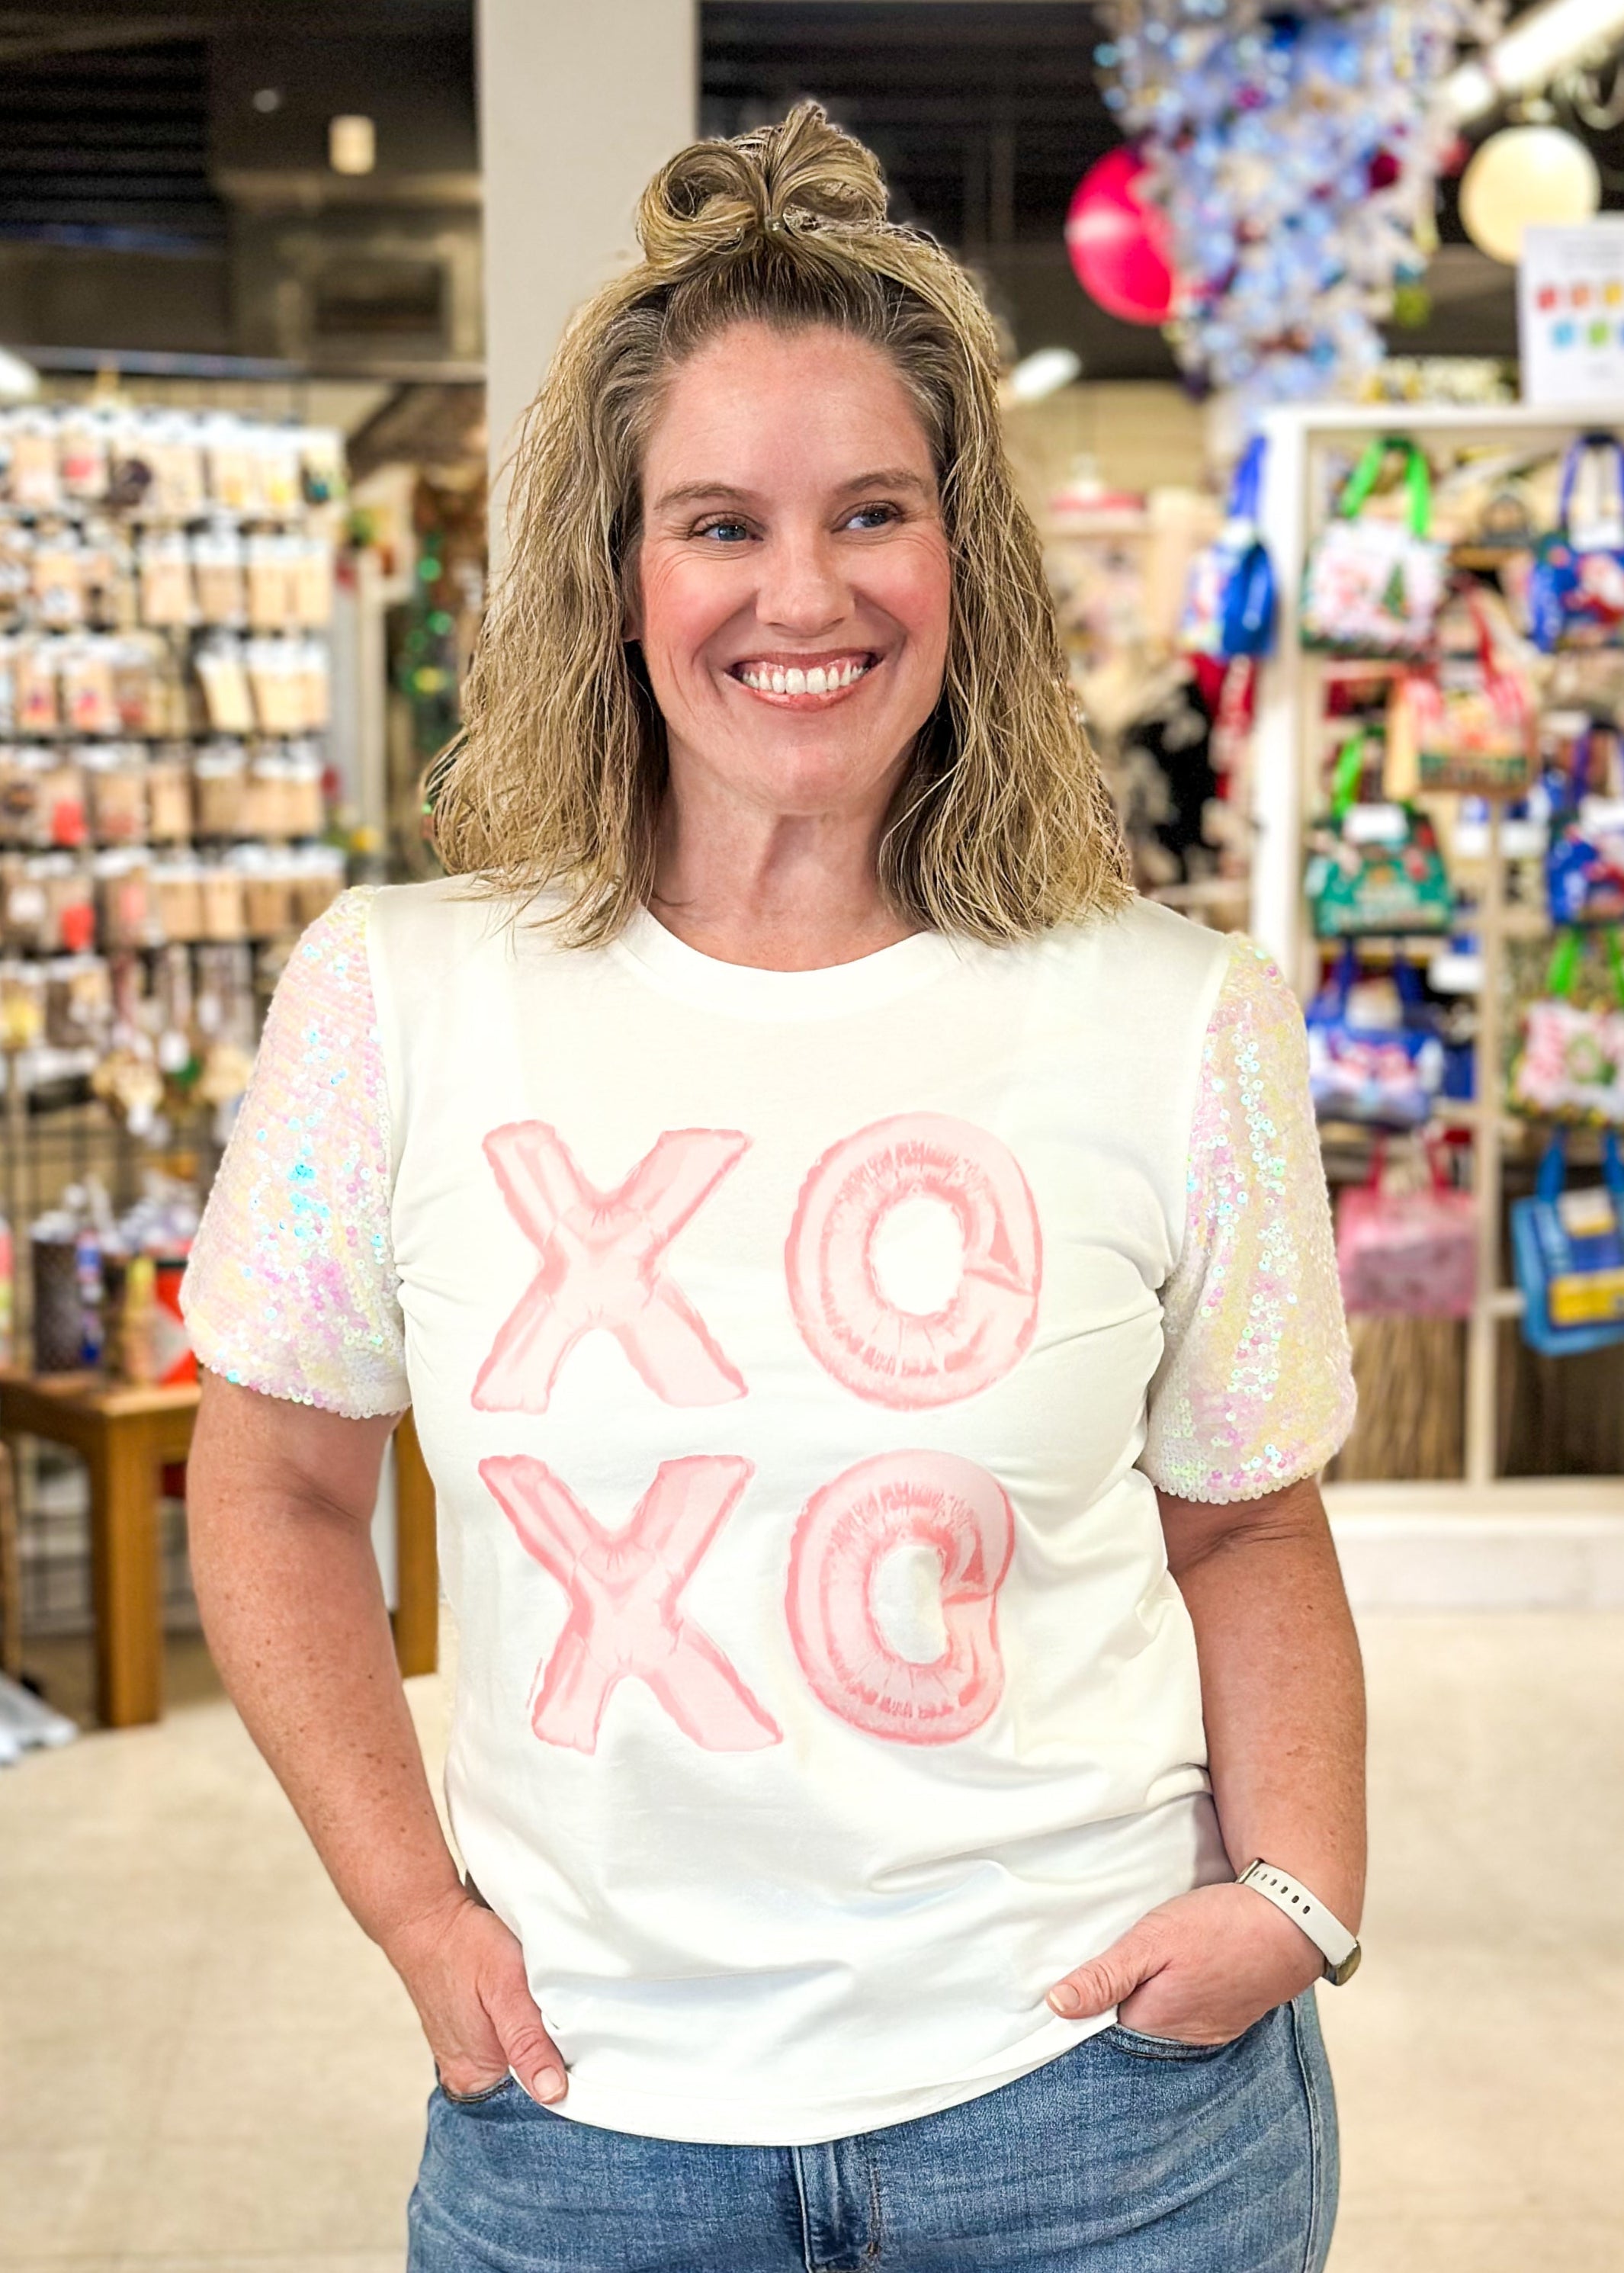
(465, 1974)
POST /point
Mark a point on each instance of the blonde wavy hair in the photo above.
(1002, 824)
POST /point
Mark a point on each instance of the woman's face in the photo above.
(791, 591)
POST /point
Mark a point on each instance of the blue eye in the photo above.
(873, 517)
(730, 532)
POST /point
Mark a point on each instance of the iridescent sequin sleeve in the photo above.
(291, 1288)
(1255, 1386)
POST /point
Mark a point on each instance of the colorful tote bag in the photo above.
(1229, 607)
(1374, 587)
(1569, 1063)
(1407, 1254)
(1584, 860)
(1576, 592)
(1567, 1250)
(1385, 1077)
(1377, 868)
(1468, 722)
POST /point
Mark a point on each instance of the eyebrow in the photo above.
(879, 477)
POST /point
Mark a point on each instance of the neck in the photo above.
(780, 891)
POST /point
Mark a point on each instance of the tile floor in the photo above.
(204, 2069)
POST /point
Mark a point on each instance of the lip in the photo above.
(788, 661)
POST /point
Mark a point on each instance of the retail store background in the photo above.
(201, 2064)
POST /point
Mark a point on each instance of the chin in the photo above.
(811, 781)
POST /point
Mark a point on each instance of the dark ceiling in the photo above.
(131, 132)
(109, 146)
(983, 119)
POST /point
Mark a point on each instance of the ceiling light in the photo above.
(1539, 46)
(19, 381)
(1042, 373)
(352, 143)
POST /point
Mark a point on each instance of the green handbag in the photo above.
(1375, 868)
(1373, 587)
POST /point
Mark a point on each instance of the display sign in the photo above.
(1570, 313)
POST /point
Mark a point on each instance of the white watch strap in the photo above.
(1339, 1948)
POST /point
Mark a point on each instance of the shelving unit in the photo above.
(1284, 761)
(166, 592)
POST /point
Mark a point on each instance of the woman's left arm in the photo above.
(1284, 1699)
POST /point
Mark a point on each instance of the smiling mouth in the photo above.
(804, 685)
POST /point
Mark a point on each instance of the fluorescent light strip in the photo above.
(1536, 49)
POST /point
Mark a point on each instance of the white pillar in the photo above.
(579, 100)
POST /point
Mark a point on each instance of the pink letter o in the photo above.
(845, 1531)
(899, 1357)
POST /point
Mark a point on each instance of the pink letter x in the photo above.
(601, 1266)
(624, 1587)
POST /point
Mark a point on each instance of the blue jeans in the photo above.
(1128, 2154)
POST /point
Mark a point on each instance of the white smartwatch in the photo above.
(1339, 1948)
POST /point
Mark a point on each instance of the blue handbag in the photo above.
(1228, 608)
(1584, 858)
(1567, 1250)
(1575, 593)
(1385, 1077)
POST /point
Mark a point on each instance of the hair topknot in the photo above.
(802, 172)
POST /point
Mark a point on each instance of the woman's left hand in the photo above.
(1199, 1968)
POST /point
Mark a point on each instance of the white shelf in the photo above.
(1286, 755)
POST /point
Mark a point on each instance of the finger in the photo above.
(531, 2052)
(457, 2080)
(1105, 1980)
(469, 2057)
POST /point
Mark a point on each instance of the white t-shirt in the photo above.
(795, 1354)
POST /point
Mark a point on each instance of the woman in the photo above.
(863, 1284)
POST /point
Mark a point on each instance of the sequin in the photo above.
(1256, 1387)
(291, 1288)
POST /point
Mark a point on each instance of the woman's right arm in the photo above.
(279, 1499)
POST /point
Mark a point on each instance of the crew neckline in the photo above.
(664, 961)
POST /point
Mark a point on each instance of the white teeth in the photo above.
(777, 679)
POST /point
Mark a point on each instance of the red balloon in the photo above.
(1118, 240)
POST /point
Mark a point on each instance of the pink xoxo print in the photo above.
(601, 1266)
(624, 1588)
(846, 1531)
(897, 1357)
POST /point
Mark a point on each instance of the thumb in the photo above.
(1105, 1980)
(531, 2052)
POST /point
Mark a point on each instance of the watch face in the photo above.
(1339, 1976)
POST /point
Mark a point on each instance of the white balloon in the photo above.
(1523, 176)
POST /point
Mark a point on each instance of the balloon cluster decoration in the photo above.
(1294, 155)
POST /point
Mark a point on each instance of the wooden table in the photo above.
(125, 1435)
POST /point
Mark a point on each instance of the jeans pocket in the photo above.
(478, 2098)
(1140, 2046)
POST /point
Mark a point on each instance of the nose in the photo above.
(802, 589)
